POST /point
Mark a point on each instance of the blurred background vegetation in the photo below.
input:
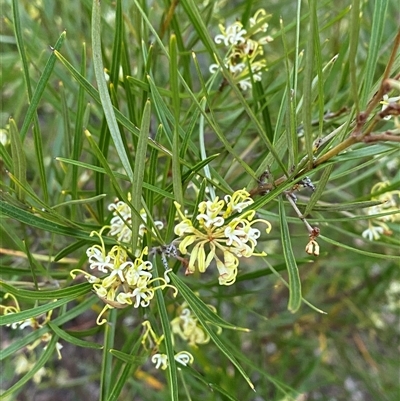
(349, 353)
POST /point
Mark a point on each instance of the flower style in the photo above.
(390, 201)
(244, 49)
(125, 282)
(213, 238)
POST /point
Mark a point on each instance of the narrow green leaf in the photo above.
(132, 358)
(172, 374)
(360, 251)
(197, 304)
(138, 175)
(293, 272)
(80, 201)
(95, 94)
(127, 358)
(78, 133)
(319, 189)
(73, 291)
(106, 363)
(69, 249)
(207, 382)
(117, 45)
(106, 166)
(34, 98)
(72, 339)
(176, 166)
(355, 23)
(338, 207)
(29, 313)
(374, 46)
(103, 90)
(157, 190)
(35, 221)
(18, 158)
(307, 83)
(290, 97)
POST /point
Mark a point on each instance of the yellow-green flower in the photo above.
(125, 282)
(390, 201)
(245, 48)
(216, 239)
(187, 326)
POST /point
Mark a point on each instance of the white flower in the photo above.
(160, 360)
(98, 259)
(233, 35)
(138, 271)
(119, 270)
(245, 84)
(386, 102)
(4, 140)
(373, 232)
(236, 68)
(142, 294)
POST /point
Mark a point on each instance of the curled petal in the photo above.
(184, 358)
(213, 68)
(187, 241)
(160, 360)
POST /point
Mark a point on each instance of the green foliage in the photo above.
(116, 100)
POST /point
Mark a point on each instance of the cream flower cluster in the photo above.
(125, 282)
(187, 326)
(221, 231)
(121, 222)
(390, 202)
(244, 55)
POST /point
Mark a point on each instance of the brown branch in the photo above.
(386, 136)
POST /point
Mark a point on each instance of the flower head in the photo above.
(245, 47)
(187, 326)
(224, 232)
(125, 282)
(389, 204)
(121, 222)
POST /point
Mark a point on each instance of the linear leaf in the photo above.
(39, 222)
(176, 166)
(18, 158)
(197, 304)
(374, 45)
(74, 291)
(293, 271)
(172, 373)
(72, 339)
(138, 175)
(103, 90)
